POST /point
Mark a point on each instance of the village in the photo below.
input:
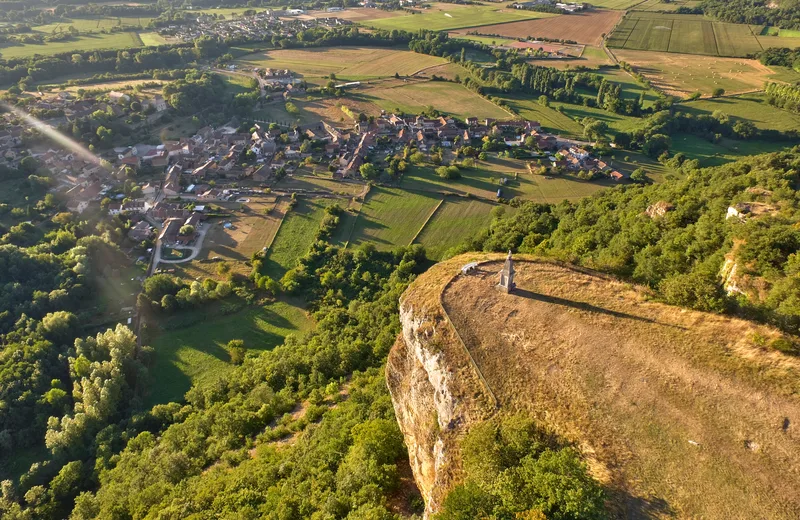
(164, 189)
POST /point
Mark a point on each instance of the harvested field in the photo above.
(585, 27)
(591, 57)
(683, 414)
(682, 74)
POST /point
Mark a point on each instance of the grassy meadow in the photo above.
(84, 42)
(454, 221)
(445, 17)
(391, 217)
(682, 74)
(725, 151)
(450, 98)
(295, 236)
(195, 353)
(750, 107)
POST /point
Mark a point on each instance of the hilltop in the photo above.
(677, 412)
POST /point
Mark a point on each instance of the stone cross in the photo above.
(506, 282)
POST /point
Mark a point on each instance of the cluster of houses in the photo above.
(571, 7)
(576, 158)
(257, 27)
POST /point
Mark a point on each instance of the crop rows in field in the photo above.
(686, 34)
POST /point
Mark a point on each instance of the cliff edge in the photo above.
(678, 413)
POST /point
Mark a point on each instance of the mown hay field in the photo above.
(352, 63)
(450, 98)
(682, 74)
(391, 217)
(588, 27)
(687, 34)
(456, 220)
(446, 17)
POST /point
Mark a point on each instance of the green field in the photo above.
(450, 98)
(152, 39)
(295, 236)
(750, 107)
(445, 17)
(615, 122)
(196, 354)
(687, 34)
(484, 181)
(391, 217)
(456, 220)
(714, 154)
(89, 42)
(551, 120)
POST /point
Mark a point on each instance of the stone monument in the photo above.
(506, 283)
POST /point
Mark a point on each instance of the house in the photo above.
(119, 97)
(172, 184)
(114, 208)
(617, 176)
(141, 231)
(169, 233)
(211, 194)
(132, 160)
(158, 103)
(134, 206)
(580, 153)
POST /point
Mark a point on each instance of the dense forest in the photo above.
(786, 97)
(785, 14)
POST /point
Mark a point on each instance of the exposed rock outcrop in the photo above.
(679, 413)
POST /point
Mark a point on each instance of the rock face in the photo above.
(435, 392)
(679, 413)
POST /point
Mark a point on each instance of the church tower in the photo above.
(506, 283)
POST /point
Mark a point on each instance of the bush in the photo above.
(448, 172)
(236, 351)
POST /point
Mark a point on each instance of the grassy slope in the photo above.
(295, 236)
(752, 107)
(455, 221)
(196, 354)
(391, 217)
(447, 97)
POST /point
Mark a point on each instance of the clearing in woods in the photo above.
(667, 403)
(456, 220)
(682, 74)
(348, 63)
(193, 352)
(446, 17)
(587, 27)
(391, 217)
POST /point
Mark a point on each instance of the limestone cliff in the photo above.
(435, 392)
(679, 413)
